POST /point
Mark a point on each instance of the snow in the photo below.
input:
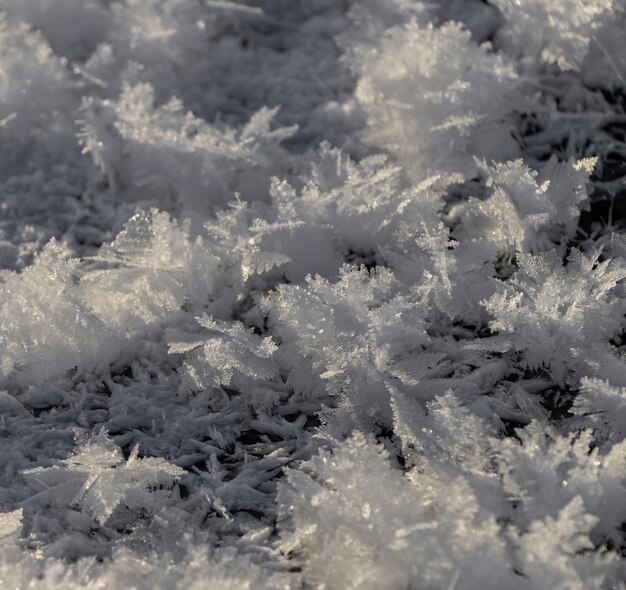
(312, 294)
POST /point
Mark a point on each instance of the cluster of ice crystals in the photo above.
(464, 93)
(312, 294)
(555, 32)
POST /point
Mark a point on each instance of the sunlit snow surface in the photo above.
(312, 294)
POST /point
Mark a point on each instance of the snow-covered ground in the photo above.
(312, 294)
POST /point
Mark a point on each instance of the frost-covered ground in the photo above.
(312, 294)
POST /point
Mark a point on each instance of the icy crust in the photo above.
(312, 294)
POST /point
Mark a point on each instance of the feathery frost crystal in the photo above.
(312, 294)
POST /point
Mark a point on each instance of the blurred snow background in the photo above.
(312, 294)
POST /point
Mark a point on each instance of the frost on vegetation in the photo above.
(467, 95)
(547, 472)
(169, 155)
(333, 296)
(604, 65)
(552, 32)
(561, 316)
(184, 564)
(357, 335)
(36, 101)
(181, 44)
(155, 269)
(57, 317)
(604, 405)
(231, 357)
(362, 206)
(354, 525)
(526, 211)
(98, 480)
(73, 28)
(328, 221)
(362, 524)
(359, 526)
(47, 327)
